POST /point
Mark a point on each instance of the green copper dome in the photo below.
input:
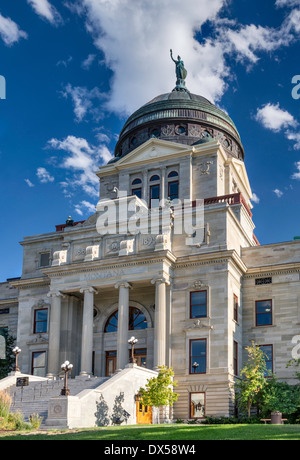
(181, 117)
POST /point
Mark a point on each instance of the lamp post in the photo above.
(132, 341)
(195, 366)
(66, 367)
(16, 352)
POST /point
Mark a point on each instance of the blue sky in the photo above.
(76, 69)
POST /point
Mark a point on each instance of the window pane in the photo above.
(198, 357)
(197, 405)
(154, 178)
(173, 174)
(45, 259)
(155, 192)
(264, 313)
(137, 192)
(199, 304)
(173, 190)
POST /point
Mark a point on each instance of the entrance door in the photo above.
(111, 363)
(143, 414)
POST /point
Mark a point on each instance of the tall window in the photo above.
(44, 259)
(137, 188)
(137, 321)
(38, 363)
(198, 304)
(264, 313)
(268, 351)
(173, 186)
(198, 356)
(235, 308)
(235, 358)
(40, 321)
(154, 191)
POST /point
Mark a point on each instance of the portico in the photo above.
(146, 293)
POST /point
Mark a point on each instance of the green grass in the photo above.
(169, 433)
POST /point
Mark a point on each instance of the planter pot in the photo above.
(276, 418)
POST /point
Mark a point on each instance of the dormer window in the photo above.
(173, 186)
(136, 188)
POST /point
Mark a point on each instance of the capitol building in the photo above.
(193, 299)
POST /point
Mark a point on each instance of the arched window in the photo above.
(154, 178)
(154, 193)
(136, 188)
(137, 321)
(173, 186)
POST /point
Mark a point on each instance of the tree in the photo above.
(252, 378)
(7, 364)
(279, 397)
(159, 390)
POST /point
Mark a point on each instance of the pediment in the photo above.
(241, 171)
(153, 149)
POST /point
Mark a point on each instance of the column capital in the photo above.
(89, 289)
(124, 284)
(160, 280)
(56, 294)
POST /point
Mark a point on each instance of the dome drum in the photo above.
(179, 117)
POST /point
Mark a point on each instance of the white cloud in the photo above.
(294, 136)
(135, 37)
(255, 198)
(83, 101)
(278, 193)
(292, 3)
(65, 62)
(29, 183)
(86, 64)
(46, 11)
(85, 207)
(82, 159)
(44, 176)
(296, 175)
(274, 118)
(10, 31)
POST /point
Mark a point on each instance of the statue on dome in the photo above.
(181, 72)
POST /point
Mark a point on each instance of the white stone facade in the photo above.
(88, 276)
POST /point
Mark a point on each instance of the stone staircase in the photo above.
(34, 399)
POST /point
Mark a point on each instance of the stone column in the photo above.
(163, 192)
(123, 322)
(87, 331)
(54, 334)
(160, 322)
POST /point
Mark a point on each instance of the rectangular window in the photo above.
(197, 405)
(235, 358)
(198, 304)
(173, 190)
(45, 259)
(154, 194)
(268, 351)
(40, 321)
(198, 356)
(264, 313)
(39, 363)
(235, 308)
(137, 192)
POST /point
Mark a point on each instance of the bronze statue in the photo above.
(181, 72)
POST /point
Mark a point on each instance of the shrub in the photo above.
(35, 421)
(5, 403)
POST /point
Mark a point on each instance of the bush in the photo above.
(35, 421)
(231, 420)
(5, 403)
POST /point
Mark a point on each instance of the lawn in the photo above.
(167, 433)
